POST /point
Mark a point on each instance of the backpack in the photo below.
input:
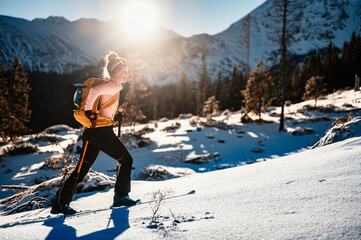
(79, 99)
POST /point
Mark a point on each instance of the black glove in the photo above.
(119, 117)
(93, 117)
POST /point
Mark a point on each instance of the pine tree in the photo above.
(351, 59)
(237, 83)
(4, 94)
(257, 93)
(297, 85)
(312, 66)
(218, 90)
(183, 95)
(314, 88)
(14, 94)
(285, 15)
(134, 99)
(170, 97)
(210, 106)
(332, 67)
(202, 84)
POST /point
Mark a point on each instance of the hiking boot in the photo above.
(61, 208)
(123, 201)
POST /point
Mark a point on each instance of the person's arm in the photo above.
(107, 88)
(94, 93)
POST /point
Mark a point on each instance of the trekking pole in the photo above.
(77, 176)
(119, 133)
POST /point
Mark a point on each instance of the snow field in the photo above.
(312, 194)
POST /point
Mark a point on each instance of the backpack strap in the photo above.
(113, 100)
(106, 105)
(95, 105)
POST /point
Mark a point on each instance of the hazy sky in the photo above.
(186, 17)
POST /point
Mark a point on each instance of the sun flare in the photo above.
(139, 19)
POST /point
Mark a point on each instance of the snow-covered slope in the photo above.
(314, 195)
(55, 44)
(184, 146)
(283, 191)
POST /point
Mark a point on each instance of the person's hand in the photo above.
(93, 117)
(119, 117)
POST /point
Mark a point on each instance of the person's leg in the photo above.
(65, 193)
(109, 143)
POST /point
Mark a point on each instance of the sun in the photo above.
(139, 19)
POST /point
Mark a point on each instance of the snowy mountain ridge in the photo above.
(55, 44)
(321, 22)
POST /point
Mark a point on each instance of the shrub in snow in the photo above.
(216, 114)
(347, 105)
(154, 174)
(185, 116)
(217, 124)
(135, 140)
(45, 137)
(203, 158)
(58, 129)
(246, 119)
(329, 108)
(226, 113)
(302, 131)
(343, 128)
(64, 162)
(95, 181)
(164, 119)
(59, 162)
(19, 149)
(157, 198)
(147, 129)
(172, 127)
(341, 120)
(40, 195)
(194, 121)
(257, 150)
(159, 173)
(306, 108)
(210, 136)
(46, 190)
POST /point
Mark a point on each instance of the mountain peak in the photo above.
(52, 19)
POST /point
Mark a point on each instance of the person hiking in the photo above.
(101, 138)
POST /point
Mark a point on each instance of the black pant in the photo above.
(100, 139)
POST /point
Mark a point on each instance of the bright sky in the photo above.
(185, 17)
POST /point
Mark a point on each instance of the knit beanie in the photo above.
(115, 64)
